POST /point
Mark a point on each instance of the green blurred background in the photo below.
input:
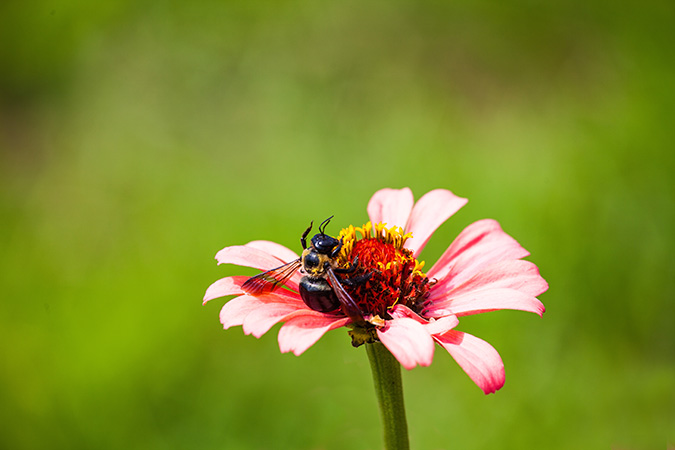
(139, 138)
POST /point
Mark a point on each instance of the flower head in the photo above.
(396, 301)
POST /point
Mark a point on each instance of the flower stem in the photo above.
(387, 378)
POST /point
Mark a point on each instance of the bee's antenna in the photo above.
(322, 227)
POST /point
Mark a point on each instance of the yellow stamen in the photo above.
(393, 235)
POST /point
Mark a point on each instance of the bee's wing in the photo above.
(268, 281)
(349, 306)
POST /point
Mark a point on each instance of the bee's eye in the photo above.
(311, 260)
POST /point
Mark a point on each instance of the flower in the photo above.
(403, 307)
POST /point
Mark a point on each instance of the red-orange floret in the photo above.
(395, 275)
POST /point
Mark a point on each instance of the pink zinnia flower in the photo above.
(402, 307)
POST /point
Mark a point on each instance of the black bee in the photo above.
(320, 288)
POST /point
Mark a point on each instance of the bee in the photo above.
(320, 288)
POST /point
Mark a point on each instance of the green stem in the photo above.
(389, 390)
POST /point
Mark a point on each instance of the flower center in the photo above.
(387, 273)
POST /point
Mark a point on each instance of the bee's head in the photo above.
(322, 242)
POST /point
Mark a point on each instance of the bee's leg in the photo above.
(351, 268)
(303, 239)
(336, 250)
(355, 281)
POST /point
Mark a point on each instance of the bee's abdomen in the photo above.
(318, 295)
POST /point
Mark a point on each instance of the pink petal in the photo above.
(520, 275)
(442, 324)
(259, 314)
(408, 341)
(260, 320)
(243, 255)
(284, 254)
(235, 311)
(430, 211)
(225, 286)
(282, 296)
(476, 302)
(480, 244)
(401, 311)
(478, 359)
(303, 328)
(391, 206)
(433, 326)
